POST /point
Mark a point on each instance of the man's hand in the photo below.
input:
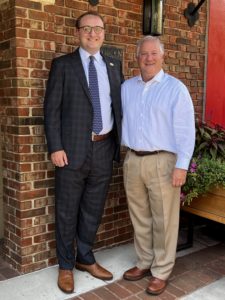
(59, 158)
(179, 177)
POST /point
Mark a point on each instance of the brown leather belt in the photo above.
(100, 137)
(144, 153)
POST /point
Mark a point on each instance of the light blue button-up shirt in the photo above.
(104, 88)
(158, 115)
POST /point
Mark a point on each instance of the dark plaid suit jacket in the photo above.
(68, 109)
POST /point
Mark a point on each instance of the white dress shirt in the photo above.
(158, 115)
(104, 88)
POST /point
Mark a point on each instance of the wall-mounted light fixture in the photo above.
(191, 12)
(153, 17)
(93, 2)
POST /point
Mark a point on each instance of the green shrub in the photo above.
(207, 168)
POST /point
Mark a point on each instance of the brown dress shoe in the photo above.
(65, 281)
(136, 274)
(95, 270)
(156, 286)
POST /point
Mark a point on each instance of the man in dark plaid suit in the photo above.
(83, 159)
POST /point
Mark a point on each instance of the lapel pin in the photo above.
(111, 64)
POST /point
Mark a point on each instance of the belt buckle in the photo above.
(93, 135)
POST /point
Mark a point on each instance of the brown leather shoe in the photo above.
(136, 274)
(156, 286)
(95, 270)
(65, 281)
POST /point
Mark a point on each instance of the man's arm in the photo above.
(52, 114)
(52, 108)
(184, 128)
(184, 132)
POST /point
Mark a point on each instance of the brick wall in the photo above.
(1, 195)
(32, 33)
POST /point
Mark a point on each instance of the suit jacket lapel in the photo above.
(79, 71)
(110, 69)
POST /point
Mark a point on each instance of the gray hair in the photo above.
(149, 38)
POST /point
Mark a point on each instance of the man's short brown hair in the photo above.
(88, 13)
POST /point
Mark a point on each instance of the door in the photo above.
(215, 83)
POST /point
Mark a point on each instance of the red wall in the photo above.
(215, 88)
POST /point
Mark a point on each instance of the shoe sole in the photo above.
(67, 292)
(137, 277)
(98, 277)
(155, 293)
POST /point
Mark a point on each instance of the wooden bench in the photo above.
(210, 206)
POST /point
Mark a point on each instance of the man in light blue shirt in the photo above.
(158, 128)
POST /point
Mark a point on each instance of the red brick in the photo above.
(38, 15)
(30, 213)
(174, 290)
(119, 291)
(76, 5)
(132, 287)
(104, 293)
(31, 194)
(33, 249)
(43, 237)
(28, 4)
(31, 231)
(88, 296)
(187, 283)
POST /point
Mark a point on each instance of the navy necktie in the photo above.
(94, 91)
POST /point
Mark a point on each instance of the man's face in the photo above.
(150, 59)
(92, 41)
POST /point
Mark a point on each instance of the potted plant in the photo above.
(207, 168)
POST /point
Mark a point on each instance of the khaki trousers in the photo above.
(154, 210)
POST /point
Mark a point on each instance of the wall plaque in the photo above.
(112, 52)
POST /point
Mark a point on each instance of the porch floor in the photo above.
(199, 273)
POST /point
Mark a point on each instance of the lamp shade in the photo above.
(153, 17)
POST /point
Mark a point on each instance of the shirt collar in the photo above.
(85, 55)
(157, 78)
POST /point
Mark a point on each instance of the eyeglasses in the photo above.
(88, 29)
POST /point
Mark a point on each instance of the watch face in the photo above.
(93, 2)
